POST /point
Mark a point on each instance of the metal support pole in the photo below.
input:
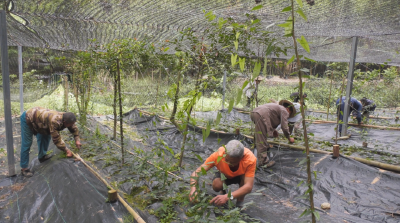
(21, 85)
(223, 91)
(6, 93)
(350, 77)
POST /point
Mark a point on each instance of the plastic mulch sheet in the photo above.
(355, 191)
(61, 190)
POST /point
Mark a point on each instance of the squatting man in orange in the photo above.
(238, 164)
(45, 124)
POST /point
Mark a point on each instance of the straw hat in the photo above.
(297, 117)
(291, 107)
(259, 78)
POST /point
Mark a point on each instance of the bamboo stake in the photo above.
(307, 149)
(356, 125)
(329, 100)
(371, 116)
(120, 113)
(338, 115)
(126, 205)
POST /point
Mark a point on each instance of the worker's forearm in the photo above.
(245, 189)
(287, 134)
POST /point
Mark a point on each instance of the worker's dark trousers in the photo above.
(261, 135)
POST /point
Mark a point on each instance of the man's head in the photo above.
(234, 152)
(289, 107)
(258, 79)
(69, 119)
(363, 101)
(304, 95)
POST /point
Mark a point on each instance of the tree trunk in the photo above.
(120, 114)
(188, 117)
(172, 118)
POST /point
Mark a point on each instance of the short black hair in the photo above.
(363, 100)
(69, 117)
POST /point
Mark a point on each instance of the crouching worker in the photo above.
(355, 107)
(45, 124)
(267, 118)
(368, 107)
(295, 123)
(238, 164)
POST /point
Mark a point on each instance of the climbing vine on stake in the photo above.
(290, 32)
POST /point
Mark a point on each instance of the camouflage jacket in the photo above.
(49, 122)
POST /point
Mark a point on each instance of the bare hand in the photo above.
(291, 140)
(193, 195)
(220, 200)
(275, 134)
(68, 153)
(78, 144)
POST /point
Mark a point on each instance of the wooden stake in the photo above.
(336, 153)
(340, 105)
(329, 100)
(112, 196)
(66, 87)
(237, 131)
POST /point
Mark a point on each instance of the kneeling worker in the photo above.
(267, 118)
(45, 124)
(238, 164)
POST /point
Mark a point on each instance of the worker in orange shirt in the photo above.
(238, 164)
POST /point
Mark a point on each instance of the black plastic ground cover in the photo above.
(380, 141)
(355, 191)
(61, 190)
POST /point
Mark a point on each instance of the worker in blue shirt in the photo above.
(355, 107)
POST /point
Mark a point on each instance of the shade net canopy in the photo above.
(69, 25)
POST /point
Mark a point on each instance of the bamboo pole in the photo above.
(329, 100)
(371, 116)
(356, 125)
(120, 113)
(338, 111)
(126, 205)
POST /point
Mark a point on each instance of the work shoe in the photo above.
(44, 158)
(26, 173)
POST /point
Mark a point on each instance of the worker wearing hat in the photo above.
(267, 118)
(294, 122)
(251, 90)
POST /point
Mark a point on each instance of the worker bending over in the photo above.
(355, 107)
(267, 118)
(45, 124)
(295, 122)
(368, 107)
(238, 164)
(295, 97)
